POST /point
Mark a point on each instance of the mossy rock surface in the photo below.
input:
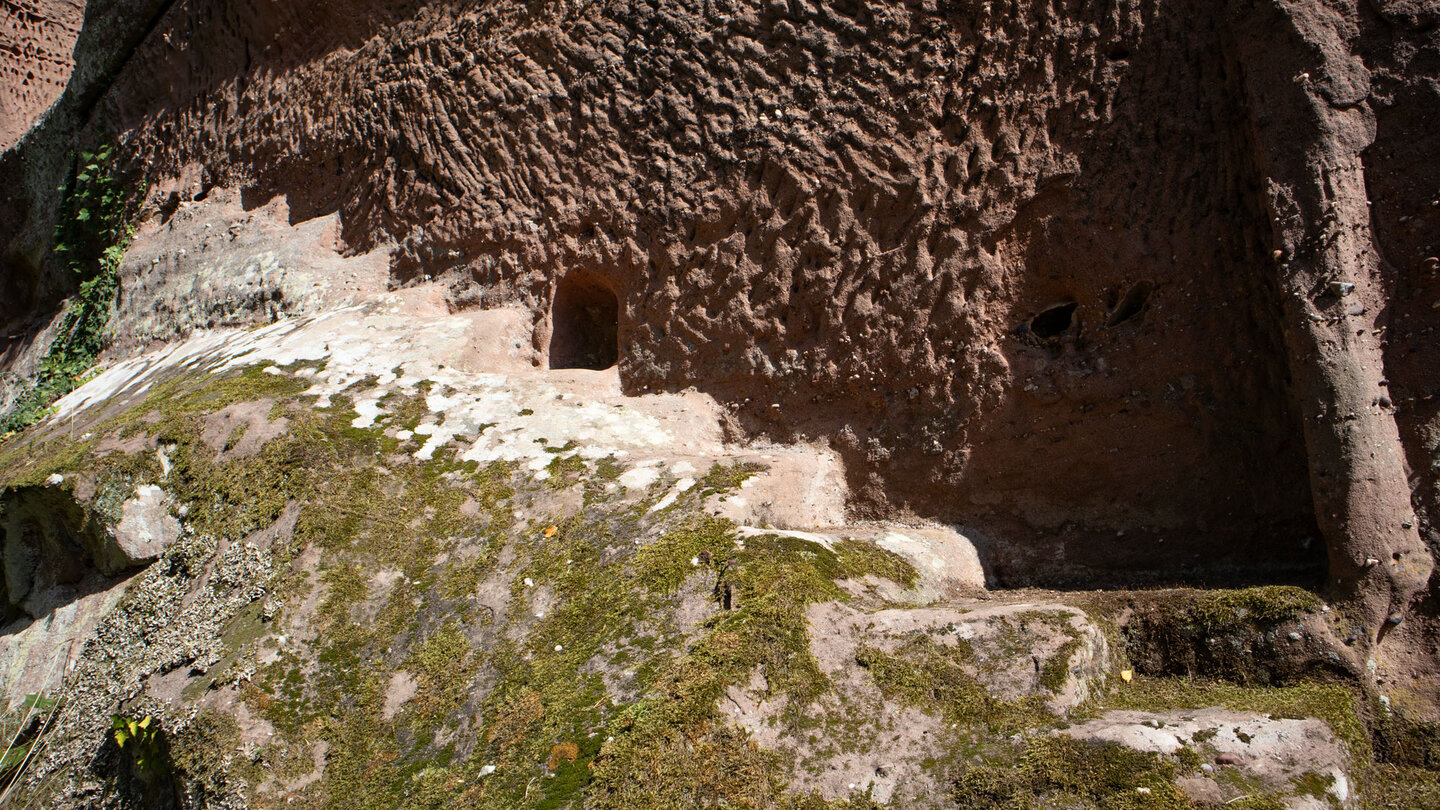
(1252, 635)
(347, 625)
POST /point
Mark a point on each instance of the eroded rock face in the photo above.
(36, 41)
(1135, 292)
(404, 543)
(1024, 259)
(991, 251)
(216, 263)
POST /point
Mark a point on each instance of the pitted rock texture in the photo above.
(216, 264)
(37, 39)
(1016, 261)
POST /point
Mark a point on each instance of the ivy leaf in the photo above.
(122, 728)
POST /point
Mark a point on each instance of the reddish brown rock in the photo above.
(37, 38)
(1018, 263)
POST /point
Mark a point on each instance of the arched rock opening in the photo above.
(1054, 320)
(584, 323)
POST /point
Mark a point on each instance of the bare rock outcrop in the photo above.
(1299, 759)
(412, 565)
(981, 237)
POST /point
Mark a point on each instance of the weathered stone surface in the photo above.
(36, 655)
(877, 740)
(1008, 646)
(1276, 755)
(969, 255)
(456, 520)
(220, 263)
(59, 547)
(146, 526)
(862, 205)
(1045, 294)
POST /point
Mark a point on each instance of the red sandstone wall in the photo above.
(842, 218)
(37, 40)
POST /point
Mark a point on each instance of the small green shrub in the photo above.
(144, 743)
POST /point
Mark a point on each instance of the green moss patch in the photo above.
(1063, 772)
(722, 478)
(935, 678)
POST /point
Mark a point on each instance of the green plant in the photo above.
(143, 741)
(91, 238)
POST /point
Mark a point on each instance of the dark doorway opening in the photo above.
(584, 324)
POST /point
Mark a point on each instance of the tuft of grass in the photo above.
(1217, 610)
(565, 470)
(663, 565)
(442, 664)
(1313, 784)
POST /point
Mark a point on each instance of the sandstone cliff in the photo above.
(845, 219)
(1124, 294)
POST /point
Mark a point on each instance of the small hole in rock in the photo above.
(1053, 321)
(584, 324)
(1132, 304)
